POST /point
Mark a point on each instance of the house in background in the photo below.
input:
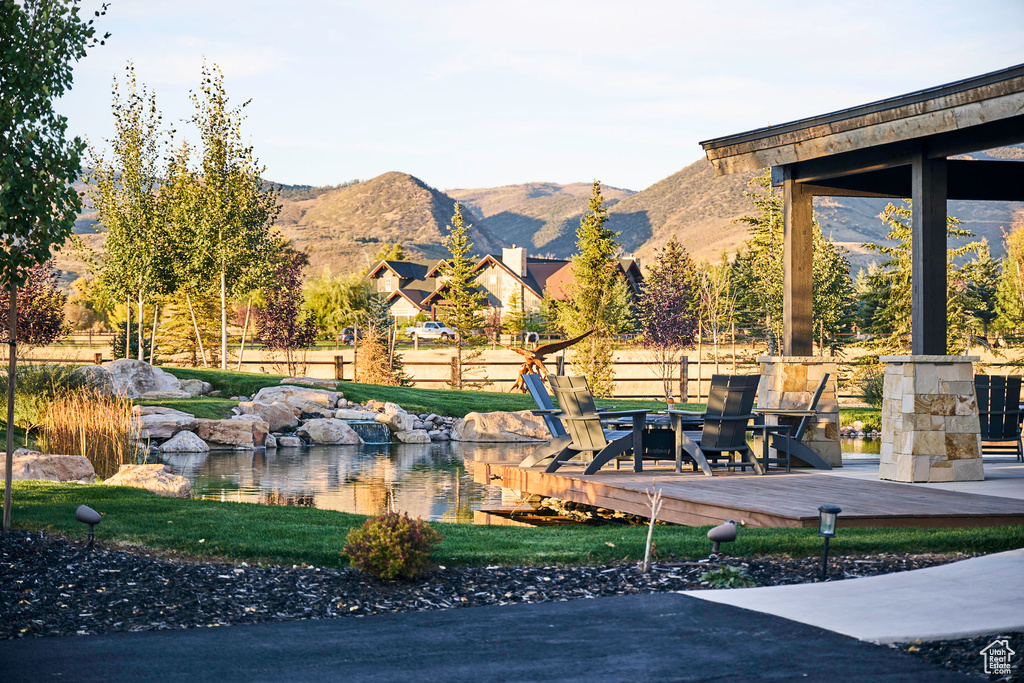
(415, 287)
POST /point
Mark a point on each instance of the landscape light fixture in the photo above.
(723, 533)
(86, 515)
(827, 529)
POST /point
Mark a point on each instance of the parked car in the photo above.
(430, 330)
(349, 335)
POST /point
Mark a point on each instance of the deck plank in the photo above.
(779, 499)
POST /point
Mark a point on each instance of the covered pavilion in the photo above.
(899, 147)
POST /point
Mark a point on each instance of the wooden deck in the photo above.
(777, 499)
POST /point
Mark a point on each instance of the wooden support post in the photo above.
(797, 273)
(339, 367)
(928, 258)
(560, 365)
(97, 358)
(684, 379)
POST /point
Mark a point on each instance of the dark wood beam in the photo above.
(928, 267)
(967, 179)
(797, 272)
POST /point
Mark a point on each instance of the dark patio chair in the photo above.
(1000, 413)
(794, 446)
(560, 440)
(724, 435)
(585, 427)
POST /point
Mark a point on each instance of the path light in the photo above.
(827, 529)
(86, 515)
(723, 533)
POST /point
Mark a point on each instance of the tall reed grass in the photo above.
(98, 426)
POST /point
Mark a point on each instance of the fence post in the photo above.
(339, 368)
(684, 379)
(560, 365)
(97, 358)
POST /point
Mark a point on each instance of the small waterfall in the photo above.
(373, 433)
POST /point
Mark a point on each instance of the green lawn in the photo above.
(292, 535)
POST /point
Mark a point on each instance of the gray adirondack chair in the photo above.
(724, 435)
(584, 425)
(560, 440)
(794, 446)
(999, 409)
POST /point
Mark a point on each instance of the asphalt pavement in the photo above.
(655, 637)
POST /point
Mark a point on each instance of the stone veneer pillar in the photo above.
(930, 428)
(789, 382)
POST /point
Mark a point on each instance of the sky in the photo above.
(482, 94)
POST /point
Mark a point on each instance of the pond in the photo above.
(430, 481)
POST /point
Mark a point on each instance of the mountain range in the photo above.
(343, 227)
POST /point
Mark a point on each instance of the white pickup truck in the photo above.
(430, 330)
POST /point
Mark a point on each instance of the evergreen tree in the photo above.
(758, 272)
(463, 299)
(514, 318)
(596, 300)
(892, 317)
(981, 281)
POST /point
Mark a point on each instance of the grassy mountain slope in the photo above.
(342, 228)
(540, 216)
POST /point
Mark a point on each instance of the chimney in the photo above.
(515, 258)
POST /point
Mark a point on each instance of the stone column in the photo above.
(930, 428)
(789, 382)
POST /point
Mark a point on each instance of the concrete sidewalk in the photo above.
(969, 598)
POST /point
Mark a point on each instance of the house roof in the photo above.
(993, 102)
(414, 269)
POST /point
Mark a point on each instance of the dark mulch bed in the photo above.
(50, 586)
(964, 655)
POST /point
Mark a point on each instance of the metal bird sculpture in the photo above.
(535, 359)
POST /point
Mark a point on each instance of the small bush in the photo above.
(391, 546)
(727, 577)
(36, 386)
(870, 379)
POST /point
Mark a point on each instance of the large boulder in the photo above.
(330, 384)
(357, 415)
(98, 378)
(328, 431)
(159, 479)
(196, 387)
(34, 465)
(184, 442)
(309, 408)
(497, 427)
(289, 442)
(139, 379)
(293, 395)
(165, 425)
(280, 416)
(240, 434)
(158, 410)
(413, 436)
(395, 417)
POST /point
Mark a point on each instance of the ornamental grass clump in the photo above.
(98, 426)
(391, 546)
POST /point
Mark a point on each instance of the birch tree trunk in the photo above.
(195, 326)
(142, 330)
(223, 321)
(128, 326)
(152, 333)
(245, 330)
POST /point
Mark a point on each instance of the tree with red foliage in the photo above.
(40, 307)
(281, 324)
(668, 309)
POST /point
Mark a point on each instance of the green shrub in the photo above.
(870, 379)
(35, 388)
(391, 546)
(728, 577)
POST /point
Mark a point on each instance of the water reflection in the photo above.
(431, 481)
(865, 446)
